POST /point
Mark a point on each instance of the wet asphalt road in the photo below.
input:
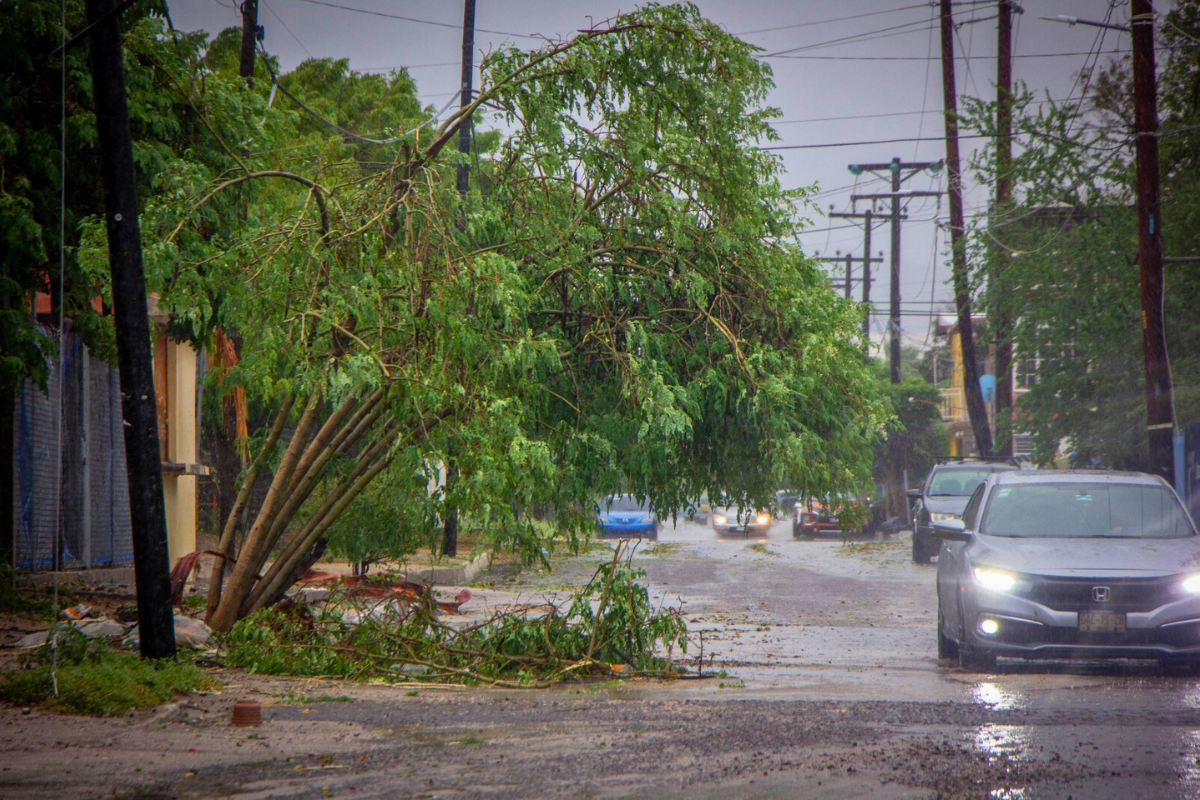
(824, 684)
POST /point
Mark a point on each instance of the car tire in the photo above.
(921, 551)
(947, 648)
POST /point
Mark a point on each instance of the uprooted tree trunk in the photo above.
(360, 424)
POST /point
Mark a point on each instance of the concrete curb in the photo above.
(121, 579)
(450, 576)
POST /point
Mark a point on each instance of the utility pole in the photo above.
(962, 290)
(1002, 317)
(463, 177)
(867, 217)
(468, 71)
(1160, 422)
(849, 261)
(156, 621)
(896, 168)
(249, 38)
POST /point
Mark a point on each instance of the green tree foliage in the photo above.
(914, 439)
(616, 305)
(619, 309)
(1063, 260)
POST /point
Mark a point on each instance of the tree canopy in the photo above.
(618, 303)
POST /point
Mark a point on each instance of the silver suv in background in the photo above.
(944, 495)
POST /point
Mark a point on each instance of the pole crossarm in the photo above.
(894, 195)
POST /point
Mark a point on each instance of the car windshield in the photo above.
(957, 482)
(1085, 510)
(623, 502)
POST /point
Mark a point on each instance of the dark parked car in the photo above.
(624, 515)
(811, 519)
(944, 495)
(1055, 564)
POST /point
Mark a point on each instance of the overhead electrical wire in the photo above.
(869, 36)
(402, 18)
(333, 125)
(831, 19)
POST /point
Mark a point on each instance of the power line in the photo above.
(418, 21)
(874, 141)
(832, 19)
(937, 58)
(882, 33)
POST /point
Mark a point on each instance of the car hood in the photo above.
(1078, 557)
(941, 504)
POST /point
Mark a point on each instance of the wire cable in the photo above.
(419, 21)
(334, 125)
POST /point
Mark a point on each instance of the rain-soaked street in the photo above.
(824, 683)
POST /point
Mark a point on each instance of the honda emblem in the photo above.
(1100, 594)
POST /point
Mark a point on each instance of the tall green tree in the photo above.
(620, 309)
(1068, 265)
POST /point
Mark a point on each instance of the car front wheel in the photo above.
(922, 549)
(946, 647)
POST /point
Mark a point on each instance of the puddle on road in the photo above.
(990, 694)
(1001, 742)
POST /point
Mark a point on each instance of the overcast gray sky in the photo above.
(854, 71)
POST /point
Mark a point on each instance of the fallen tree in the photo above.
(621, 308)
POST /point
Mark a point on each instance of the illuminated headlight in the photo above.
(1191, 584)
(938, 516)
(720, 519)
(763, 519)
(989, 626)
(994, 579)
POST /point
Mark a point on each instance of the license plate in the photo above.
(1101, 622)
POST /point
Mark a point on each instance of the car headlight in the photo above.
(938, 516)
(763, 519)
(995, 579)
(720, 519)
(1191, 584)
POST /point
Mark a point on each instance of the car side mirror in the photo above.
(915, 494)
(952, 530)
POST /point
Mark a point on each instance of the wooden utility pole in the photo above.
(962, 288)
(896, 168)
(249, 38)
(867, 217)
(156, 621)
(1160, 422)
(463, 176)
(1001, 313)
(468, 72)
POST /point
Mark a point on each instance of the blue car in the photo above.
(624, 515)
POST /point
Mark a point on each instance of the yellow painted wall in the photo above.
(179, 491)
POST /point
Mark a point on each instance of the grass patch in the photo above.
(663, 549)
(26, 604)
(763, 549)
(95, 680)
(872, 547)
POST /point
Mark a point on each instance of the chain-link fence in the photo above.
(72, 498)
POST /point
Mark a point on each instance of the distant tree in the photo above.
(913, 440)
(1065, 256)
